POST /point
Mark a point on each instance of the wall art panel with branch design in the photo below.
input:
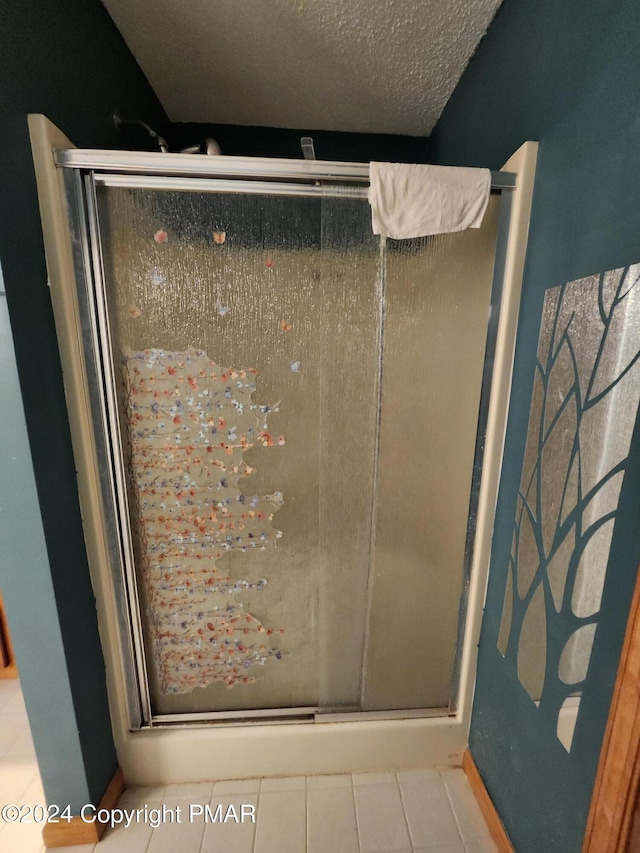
(583, 410)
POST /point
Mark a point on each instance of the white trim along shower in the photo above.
(155, 746)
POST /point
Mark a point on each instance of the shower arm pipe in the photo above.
(189, 165)
(125, 122)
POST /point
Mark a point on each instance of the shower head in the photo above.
(209, 147)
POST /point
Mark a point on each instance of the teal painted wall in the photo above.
(66, 60)
(566, 73)
(26, 582)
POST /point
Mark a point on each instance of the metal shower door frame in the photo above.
(84, 171)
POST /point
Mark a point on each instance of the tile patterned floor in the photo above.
(416, 811)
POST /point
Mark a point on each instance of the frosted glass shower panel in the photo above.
(229, 323)
(437, 299)
(203, 283)
(351, 329)
(297, 404)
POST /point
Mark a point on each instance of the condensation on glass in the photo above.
(298, 404)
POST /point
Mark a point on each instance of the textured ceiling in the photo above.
(355, 65)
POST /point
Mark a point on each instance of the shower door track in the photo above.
(136, 163)
(291, 715)
(83, 171)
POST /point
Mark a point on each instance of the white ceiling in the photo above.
(354, 65)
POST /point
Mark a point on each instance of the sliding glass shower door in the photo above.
(294, 410)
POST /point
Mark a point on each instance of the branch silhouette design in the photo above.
(585, 369)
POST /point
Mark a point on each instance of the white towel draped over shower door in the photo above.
(415, 200)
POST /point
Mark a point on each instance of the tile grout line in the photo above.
(147, 845)
(201, 846)
(210, 804)
(25, 727)
(404, 810)
(306, 818)
(306, 811)
(23, 791)
(453, 809)
(355, 808)
(355, 811)
(22, 714)
(8, 697)
(255, 829)
(255, 834)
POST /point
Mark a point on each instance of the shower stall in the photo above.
(287, 420)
